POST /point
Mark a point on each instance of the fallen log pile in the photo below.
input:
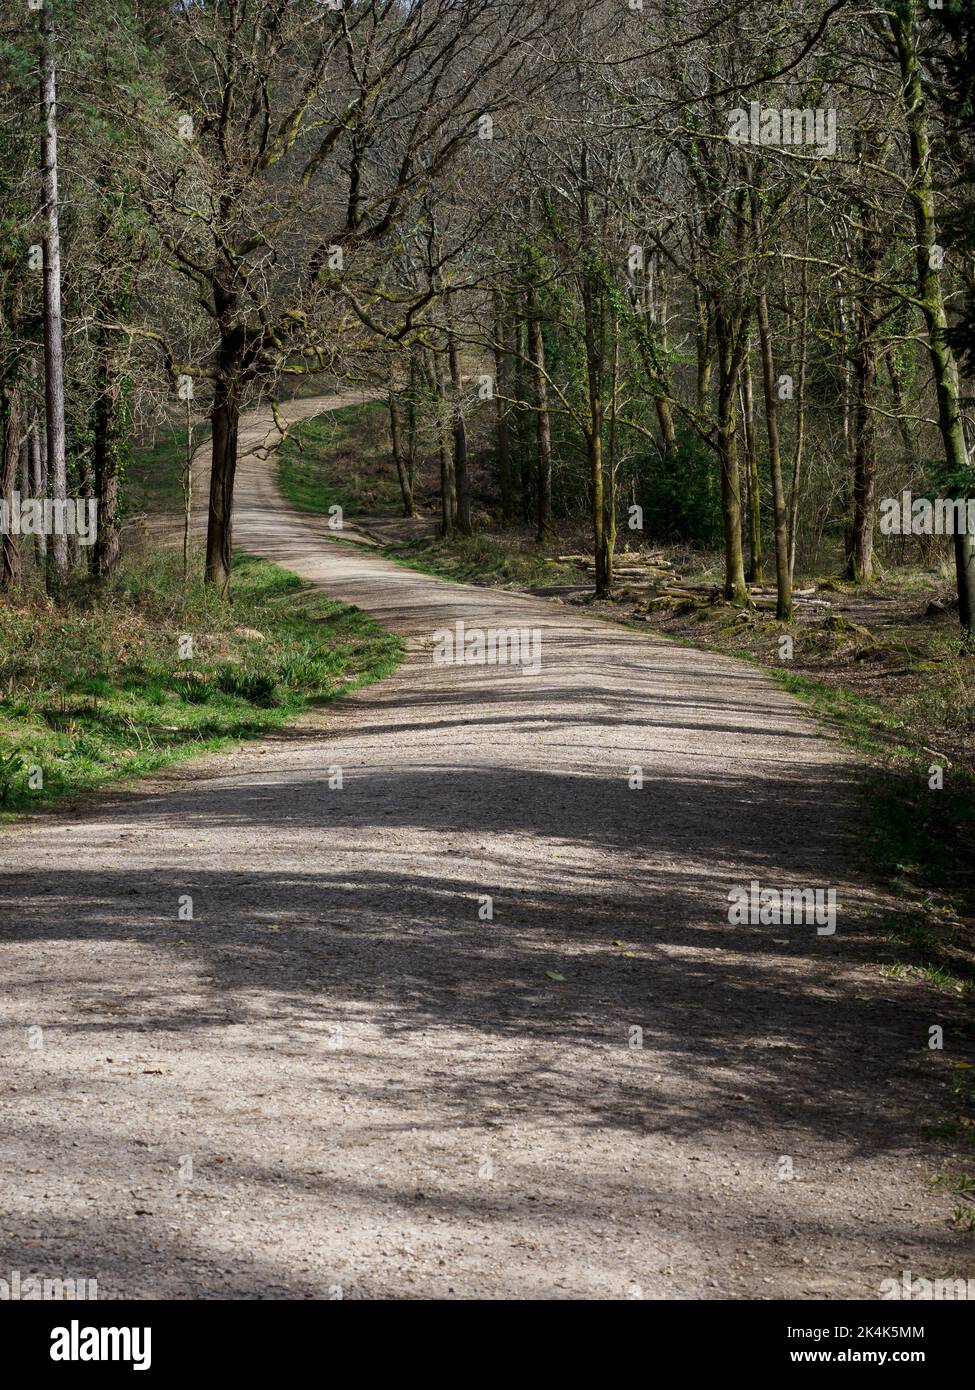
(654, 580)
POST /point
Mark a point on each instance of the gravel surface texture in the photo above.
(351, 1076)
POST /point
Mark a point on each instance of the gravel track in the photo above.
(338, 1080)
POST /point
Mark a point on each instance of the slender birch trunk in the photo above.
(53, 329)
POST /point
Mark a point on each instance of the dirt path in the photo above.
(337, 1077)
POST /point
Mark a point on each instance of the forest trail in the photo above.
(339, 1081)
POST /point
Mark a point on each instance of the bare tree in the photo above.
(53, 328)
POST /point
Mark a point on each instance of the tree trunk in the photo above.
(860, 556)
(901, 410)
(610, 521)
(704, 340)
(188, 494)
(502, 433)
(460, 437)
(12, 429)
(931, 295)
(756, 572)
(406, 491)
(665, 419)
(795, 489)
(521, 391)
(543, 427)
(38, 473)
(411, 428)
(225, 420)
(729, 365)
(448, 498)
(859, 563)
(108, 452)
(783, 583)
(594, 335)
(651, 363)
(53, 331)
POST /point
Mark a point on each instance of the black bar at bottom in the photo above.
(254, 1338)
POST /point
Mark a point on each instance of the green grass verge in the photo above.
(918, 832)
(918, 837)
(97, 689)
(154, 477)
(340, 459)
(503, 563)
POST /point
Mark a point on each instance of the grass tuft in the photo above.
(105, 686)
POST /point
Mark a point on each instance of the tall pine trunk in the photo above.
(53, 329)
